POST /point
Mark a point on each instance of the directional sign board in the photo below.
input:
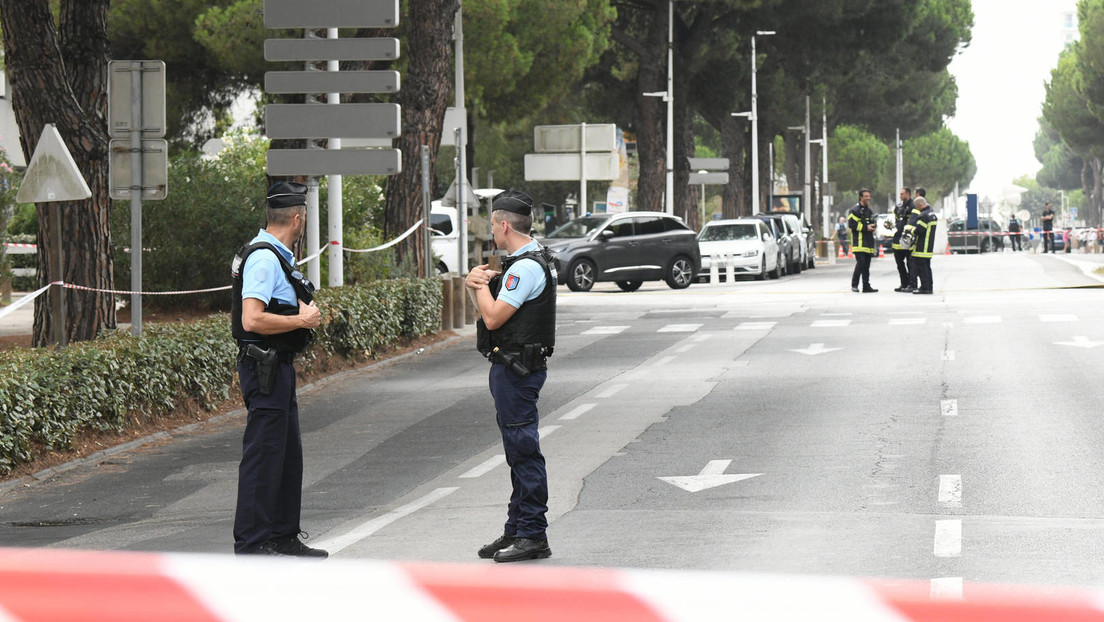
(332, 121)
(334, 162)
(709, 179)
(331, 14)
(331, 82)
(152, 75)
(709, 164)
(565, 166)
(155, 169)
(563, 138)
(331, 49)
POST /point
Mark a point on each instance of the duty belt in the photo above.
(283, 357)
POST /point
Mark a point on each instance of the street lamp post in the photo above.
(755, 121)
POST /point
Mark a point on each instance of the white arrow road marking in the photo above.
(712, 475)
(948, 538)
(1080, 341)
(815, 349)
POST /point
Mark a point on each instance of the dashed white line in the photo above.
(605, 330)
(950, 491)
(756, 325)
(830, 323)
(679, 328)
(486, 467)
(949, 408)
(948, 538)
(611, 390)
(576, 412)
(370, 527)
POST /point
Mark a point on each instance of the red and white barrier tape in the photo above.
(14, 245)
(124, 291)
(402, 237)
(24, 300)
(46, 585)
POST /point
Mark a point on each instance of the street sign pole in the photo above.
(136, 185)
(427, 237)
(334, 218)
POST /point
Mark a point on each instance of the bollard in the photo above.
(458, 298)
(730, 268)
(714, 277)
(446, 304)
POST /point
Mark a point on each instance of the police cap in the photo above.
(514, 201)
(286, 194)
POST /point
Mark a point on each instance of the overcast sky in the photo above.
(1000, 80)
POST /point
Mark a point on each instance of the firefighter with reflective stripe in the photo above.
(860, 220)
(921, 227)
(902, 254)
(517, 332)
(272, 318)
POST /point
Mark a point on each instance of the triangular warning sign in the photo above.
(52, 174)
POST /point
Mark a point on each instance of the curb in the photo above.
(29, 480)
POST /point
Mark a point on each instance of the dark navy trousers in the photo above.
(515, 401)
(270, 477)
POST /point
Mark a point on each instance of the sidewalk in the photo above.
(18, 322)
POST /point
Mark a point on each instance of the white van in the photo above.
(445, 227)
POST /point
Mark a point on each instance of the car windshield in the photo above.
(742, 231)
(578, 228)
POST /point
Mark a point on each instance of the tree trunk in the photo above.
(651, 136)
(424, 97)
(734, 202)
(685, 205)
(59, 76)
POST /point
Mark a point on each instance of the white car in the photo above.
(746, 242)
(445, 228)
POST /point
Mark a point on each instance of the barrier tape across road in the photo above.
(47, 585)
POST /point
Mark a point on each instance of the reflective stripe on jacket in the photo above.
(862, 240)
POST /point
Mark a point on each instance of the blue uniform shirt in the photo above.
(524, 281)
(263, 278)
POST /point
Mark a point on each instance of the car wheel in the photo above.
(580, 276)
(797, 265)
(812, 262)
(984, 246)
(442, 268)
(777, 272)
(629, 286)
(680, 273)
(762, 270)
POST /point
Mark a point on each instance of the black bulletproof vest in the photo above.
(293, 341)
(535, 321)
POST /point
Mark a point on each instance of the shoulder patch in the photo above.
(512, 282)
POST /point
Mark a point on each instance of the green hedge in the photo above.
(48, 397)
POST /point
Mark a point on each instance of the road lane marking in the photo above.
(611, 390)
(576, 412)
(489, 464)
(950, 491)
(983, 319)
(948, 538)
(1060, 317)
(756, 325)
(948, 355)
(605, 330)
(679, 328)
(830, 323)
(946, 588)
(949, 408)
(907, 321)
(367, 528)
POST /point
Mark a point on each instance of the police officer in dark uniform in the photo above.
(1015, 231)
(860, 220)
(1048, 228)
(921, 231)
(517, 331)
(901, 254)
(273, 317)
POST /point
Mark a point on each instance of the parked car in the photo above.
(787, 240)
(445, 230)
(627, 248)
(805, 231)
(748, 241)
(986, 237)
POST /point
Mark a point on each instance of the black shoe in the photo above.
(294, 547)
(268, 548)
(488, 550)
(854, 289)
(869, 290)
(907, 289)
(923, 291)
(522, 549)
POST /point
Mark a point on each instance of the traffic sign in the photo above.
(152, 75)
(332, 121)
(331, 49)
(52, 174)
(155, 169)
(334, 162)
(565, 138)
(709, 179)
(331, 14)
(709, 164)
(331, 82)
(565, 166)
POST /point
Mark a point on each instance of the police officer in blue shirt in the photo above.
(273, 317)
(517, 331)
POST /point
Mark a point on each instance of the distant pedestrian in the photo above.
(901, 254)
(1067, 239)
(842, 234)
(1048, 228)
(1015, 231)
(860, 220)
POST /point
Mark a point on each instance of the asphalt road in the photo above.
(785, 426)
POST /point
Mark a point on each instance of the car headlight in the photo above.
(752, 253)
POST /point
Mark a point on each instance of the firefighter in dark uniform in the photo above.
(273, 317)
(860, 220)
(901, 254)
(921, 230)
(517, 331)
(1016, 231)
